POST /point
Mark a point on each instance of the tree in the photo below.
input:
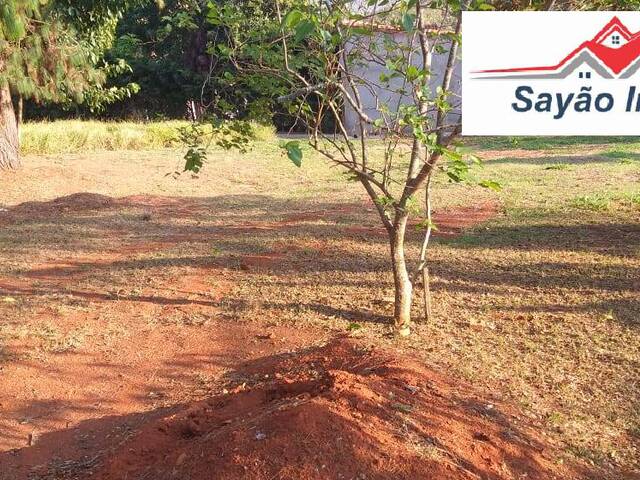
(167, 51)
(174, 56)
(50, 50)
(409, 105)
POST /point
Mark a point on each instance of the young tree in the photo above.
(49, 50)
(409, 105)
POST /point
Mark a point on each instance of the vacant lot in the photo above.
(125, 291)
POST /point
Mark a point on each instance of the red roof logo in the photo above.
(613, 53)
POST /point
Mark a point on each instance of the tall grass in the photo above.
(79, 136)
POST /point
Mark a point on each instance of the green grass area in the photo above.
(548, 143)
(546, 296)
(79, 136)
(566, 182)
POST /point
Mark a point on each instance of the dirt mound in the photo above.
(74, 202)
(342, 411)
(77, 202)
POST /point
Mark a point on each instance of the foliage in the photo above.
(229, 135)
(50, 50)
(294, 152)
(166, 49)
(76, 136)
(178, 55)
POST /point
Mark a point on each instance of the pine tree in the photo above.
(49, 51)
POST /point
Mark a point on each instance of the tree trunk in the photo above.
(427, 294)
(9, 144)
(19, 113)
(401, 279)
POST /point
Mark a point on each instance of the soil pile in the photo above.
(342, 411)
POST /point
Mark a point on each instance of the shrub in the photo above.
(77, 136)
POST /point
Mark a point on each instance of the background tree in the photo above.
(342, 39)
(175, 57)
(167, 51)
(50, 50)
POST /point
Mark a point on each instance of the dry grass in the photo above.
(539, 306)
(81, 136)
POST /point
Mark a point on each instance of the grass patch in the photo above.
(546, 143)
(633, 198)
(623, 157)
(557, 166)
(78, 136)
(602, 202)
(594, 203)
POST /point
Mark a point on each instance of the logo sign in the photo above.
(551, 73)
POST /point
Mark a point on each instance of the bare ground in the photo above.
(124, 306)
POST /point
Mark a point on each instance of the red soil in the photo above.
(450, 223)
(341, 411)
(140, 398)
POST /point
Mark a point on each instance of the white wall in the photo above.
(371, 72)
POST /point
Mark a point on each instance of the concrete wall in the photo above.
(371, 72)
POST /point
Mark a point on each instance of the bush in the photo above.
(79, 136)
(263, 133)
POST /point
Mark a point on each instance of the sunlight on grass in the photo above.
(76, 136)
(595, 203)
(548, 143)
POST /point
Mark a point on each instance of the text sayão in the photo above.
(557, 104)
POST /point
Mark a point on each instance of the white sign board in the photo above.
(551, 73)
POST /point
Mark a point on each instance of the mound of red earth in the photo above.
(342, 411)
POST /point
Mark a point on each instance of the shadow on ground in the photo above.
(242, 260)
(337, 411)
(102, 242)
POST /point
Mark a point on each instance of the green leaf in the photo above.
(475, 159)
(364, 31)
(304, 29)
(326, 37)
(425, 224)
(412, 73)
(490, 184)
(194, 159)
(292, 19)
(385, 201)
(294, 152)
(408, 22)
(452, 155)
(484, 6)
